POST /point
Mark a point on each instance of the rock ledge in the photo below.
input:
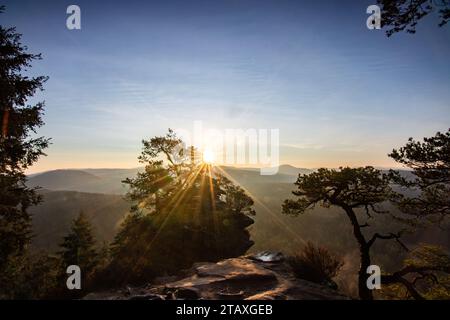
(264, 276)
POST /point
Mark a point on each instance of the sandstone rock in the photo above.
(265, 276)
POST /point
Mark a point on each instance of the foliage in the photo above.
(425, 275)
(349, 189)
(78, 247)
(430, 164)
(29, 276)
(18, 150)
(405, 14)
(315, 264)
(425, 272)
(353, 187)
(182, 212)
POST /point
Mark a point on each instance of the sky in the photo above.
(339, 93)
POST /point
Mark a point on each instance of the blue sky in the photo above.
(340, 93)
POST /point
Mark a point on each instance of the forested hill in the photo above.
(53, 217)
(99, 194)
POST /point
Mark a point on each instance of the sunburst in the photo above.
(208, 156)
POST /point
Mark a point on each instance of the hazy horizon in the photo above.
(29, 172)
(340, 94)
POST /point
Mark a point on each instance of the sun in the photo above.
(208, 156)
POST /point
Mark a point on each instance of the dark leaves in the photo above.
(403, 15)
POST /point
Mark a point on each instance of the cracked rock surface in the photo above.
(247, 277)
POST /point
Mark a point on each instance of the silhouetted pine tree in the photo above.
(183, 211)
(78, 247)
(429, 162)
(18, 150)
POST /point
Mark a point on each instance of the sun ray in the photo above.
(178, 197)
(211, 187)
(208, 156)
(275, 218)
(213, 200)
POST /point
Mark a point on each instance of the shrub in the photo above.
(315, 264)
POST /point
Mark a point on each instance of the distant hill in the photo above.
(62, 179)
(291, 170)
(86, 180)
(52, 218)
(249, 176)
(75, 190)
(99, 194)
(110, 180)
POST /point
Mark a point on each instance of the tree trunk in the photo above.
(364, 292)
(5, 122)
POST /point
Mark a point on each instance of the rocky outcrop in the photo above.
(264, 276)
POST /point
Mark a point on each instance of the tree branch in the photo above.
(387, 237)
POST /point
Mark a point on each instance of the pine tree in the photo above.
(429, 161)
(183, 211)
(359, 193)
(18, 150)
(78, 247)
